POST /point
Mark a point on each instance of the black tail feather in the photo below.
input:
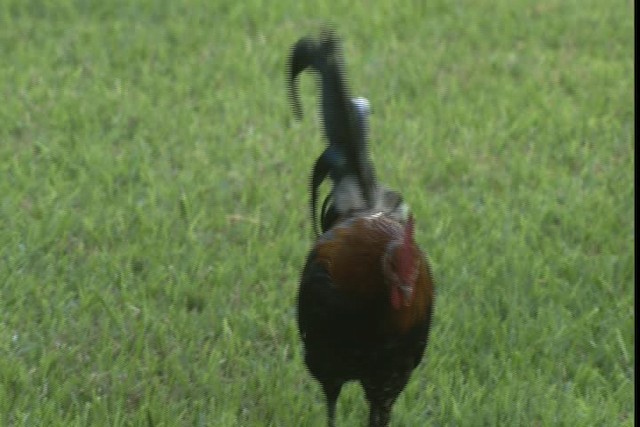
(344, 120)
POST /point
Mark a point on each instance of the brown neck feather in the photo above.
(353, 252)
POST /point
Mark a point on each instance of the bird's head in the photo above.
(401, 263)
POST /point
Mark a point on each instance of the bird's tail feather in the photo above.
(345, 123)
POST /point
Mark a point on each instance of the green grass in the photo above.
(153, 208)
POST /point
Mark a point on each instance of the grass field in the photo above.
(154, 220)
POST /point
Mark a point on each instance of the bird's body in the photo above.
(366, 292)
(349, 325)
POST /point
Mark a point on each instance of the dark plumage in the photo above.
(346, 159)
(364, 310)
(366, 292)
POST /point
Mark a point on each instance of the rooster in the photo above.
(366, 291)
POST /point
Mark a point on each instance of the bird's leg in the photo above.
(379, 414)
(331, 392)
(380, 404)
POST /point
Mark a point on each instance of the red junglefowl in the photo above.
(366, 292)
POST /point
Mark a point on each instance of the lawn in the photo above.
(154, 219)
